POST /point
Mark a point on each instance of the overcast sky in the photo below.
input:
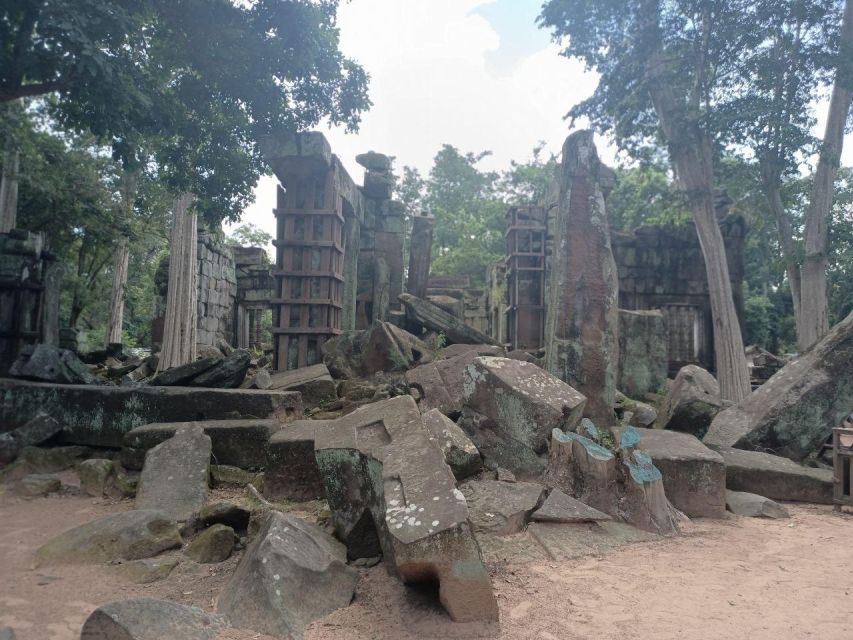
(476, 74)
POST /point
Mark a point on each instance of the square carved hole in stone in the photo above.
(372, 437)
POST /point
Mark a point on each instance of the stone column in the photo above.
(581, 330)
(420, 255)
(53, 273)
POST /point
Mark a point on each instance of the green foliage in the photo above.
(249, 235)
(757, 319)
(469, 206)
(644, 194)
(188, 86)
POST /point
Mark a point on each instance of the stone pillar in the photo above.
(53, 273)
(380, 264)
(581, 329)
(352, 248)
(420, 255)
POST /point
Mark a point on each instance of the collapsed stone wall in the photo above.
(662, 267)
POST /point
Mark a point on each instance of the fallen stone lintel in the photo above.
(101, 415)
(437, 319)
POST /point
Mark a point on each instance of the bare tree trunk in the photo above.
(815, 309)
(691, 155)
(786, 243)
(120, 263)
(179, 329)
(694, 173)
(9, 187)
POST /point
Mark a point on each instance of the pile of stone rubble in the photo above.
(437, 462)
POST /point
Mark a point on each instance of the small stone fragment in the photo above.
(151, 619)
(94, 475)
(214, 544)
(499, 507)
(147, 570)
(754, 506)
(36, 485)
(129, 535)
(558, 507)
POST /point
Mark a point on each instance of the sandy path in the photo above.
(739, 578)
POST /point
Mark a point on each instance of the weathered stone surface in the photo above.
(227, 474)
(101, 415)
(643, 345)
(582, 320)
(440, 384)
(374, 161)
(175, 476)
(511, 407)
(691, 402)
(239, 443)
(182, 375)
(793, 413)
(36, 485)
(7, 633)
(453, 350)
(314, 383)
(147, 570)
(558, 507)
(51, 364)
(36, 431)
(224, 512)
(436, 319)
(382, 347)
(214, 544)
(624, 484)
(459, 452)
(752, 505)
(228, 373)
(384, 479)
(291, 574)
(694, 476)
(95, 475)
(775, 477)
(502, 508)
(129, 535)
(151, 619)
(453, 306)
(420, 255)
(291, 468)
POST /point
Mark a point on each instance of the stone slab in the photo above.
(151, 619)
(101, 415)
(502, 508)
(291, 467)
(176, 475)
(238, 443)
(775, 477)
(315, 383)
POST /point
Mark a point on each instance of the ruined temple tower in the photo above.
(581, 343)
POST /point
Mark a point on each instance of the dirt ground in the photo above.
(737, 578)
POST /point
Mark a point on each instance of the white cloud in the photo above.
(432, 83)
(434, 80)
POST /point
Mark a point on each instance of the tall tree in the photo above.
(814, 307)
(769, 110)
(660, 67)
